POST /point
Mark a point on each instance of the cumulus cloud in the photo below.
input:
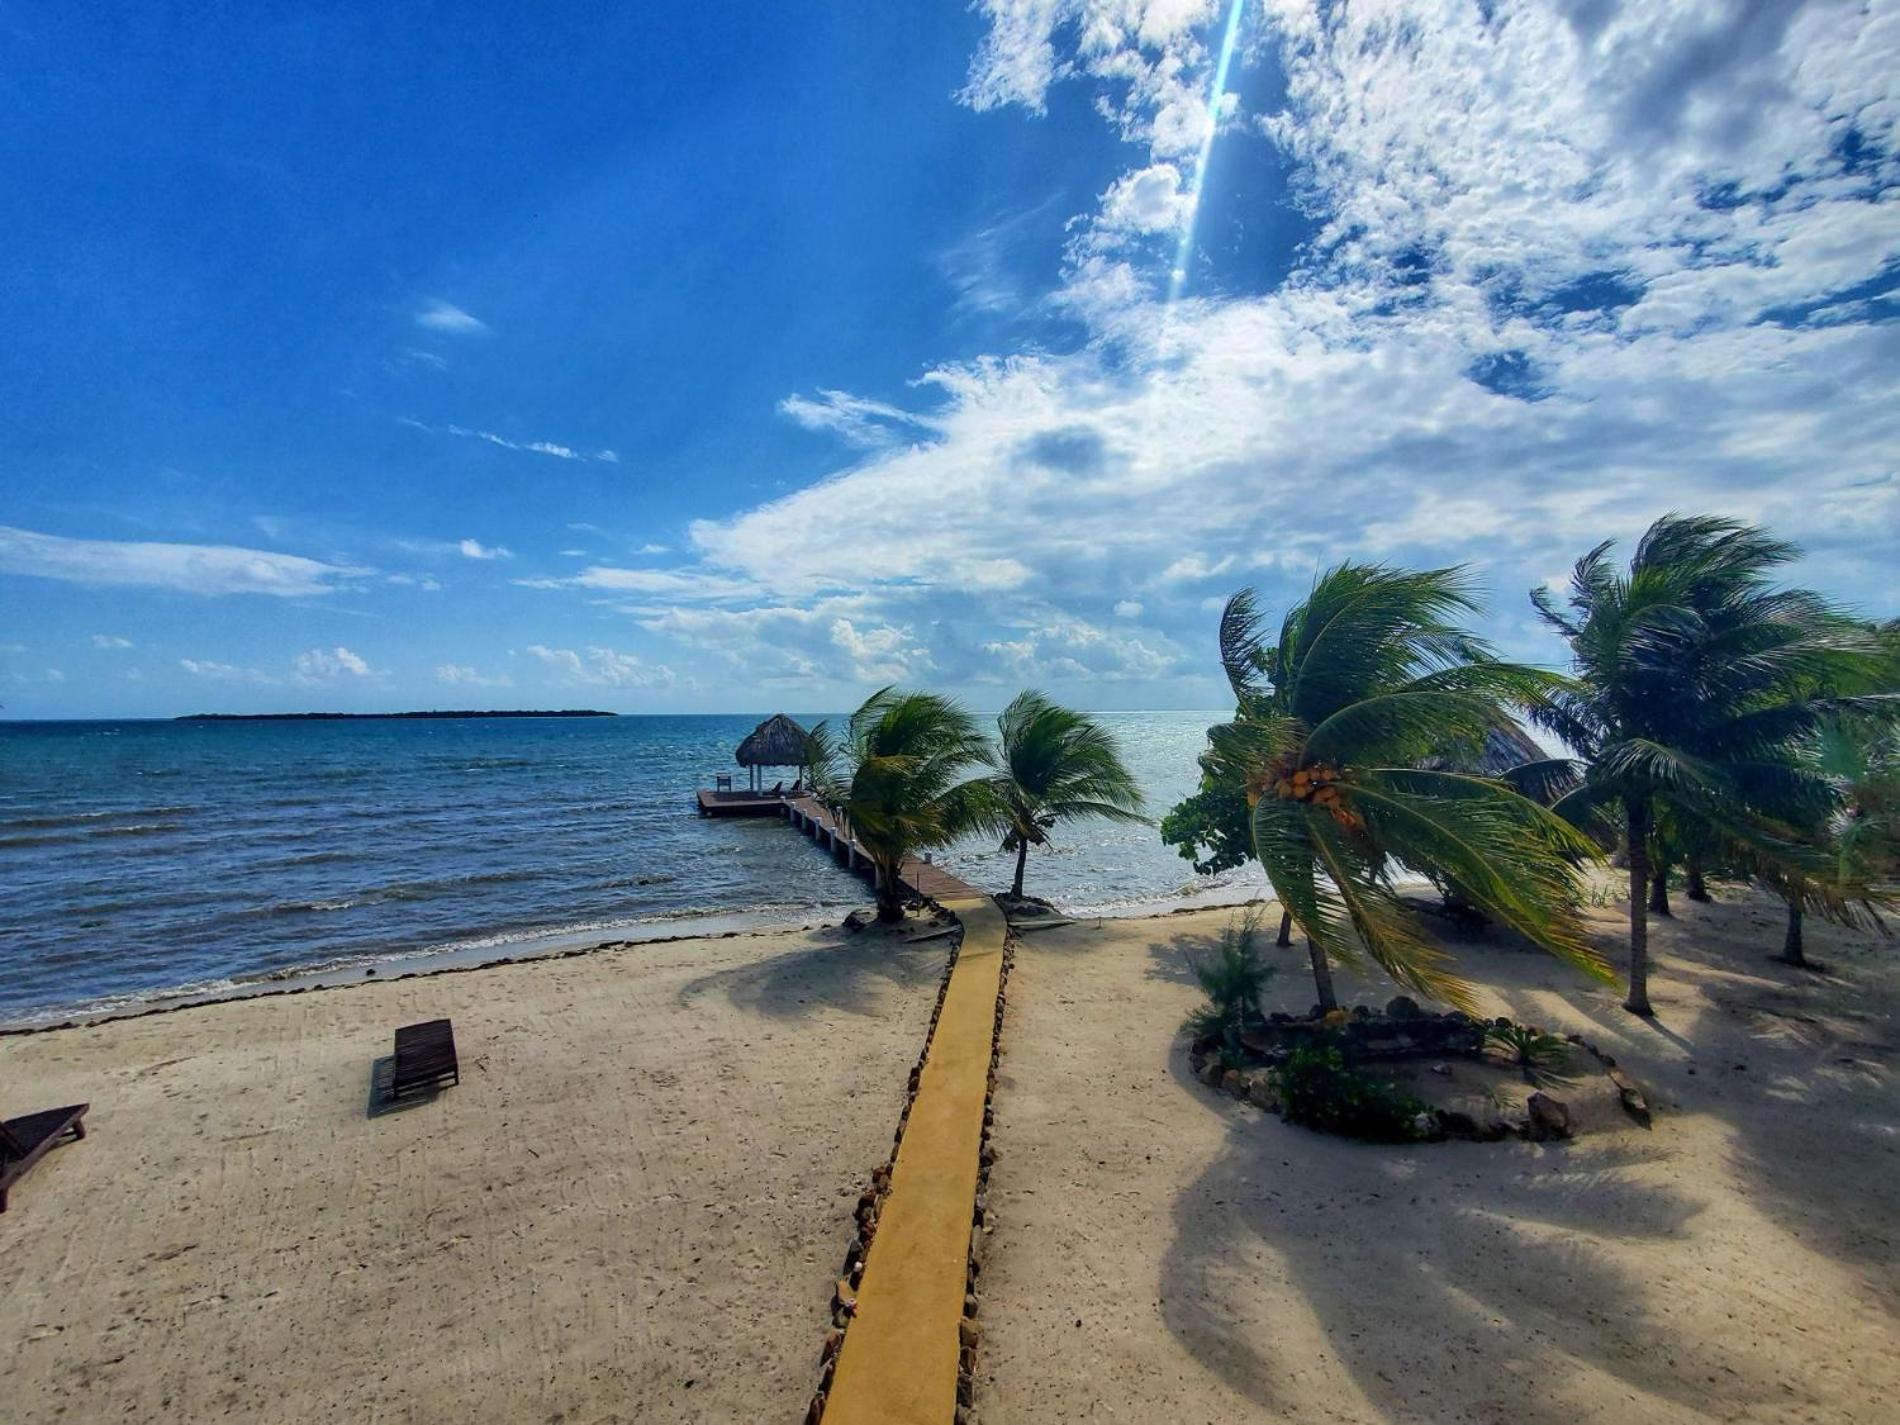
(110, 640)
(322, 665)
(208, 569)
(439, 316)
(603, 667)
(1559, 280)
(1127, 608)
(474, 549)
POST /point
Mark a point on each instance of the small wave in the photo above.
(83, 818)
(93, 833)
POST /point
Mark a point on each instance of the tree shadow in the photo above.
(846, 972)
(1489, 1256)
(1800, 1067)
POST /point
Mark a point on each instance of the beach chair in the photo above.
(722, 783)
(425, 1058)
(24, 1141)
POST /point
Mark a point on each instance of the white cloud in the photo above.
(653, 549)
(110, 640)
(320, 665)
(415, 581)
(439, 316)
(856, 420)
(474, 549)
(1556, 283)
(460, 675)
(224, 672)
(532, 447)
(208, 569)
(1127, 608)
(603, 667)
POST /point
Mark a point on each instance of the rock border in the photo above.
(1547, 1118)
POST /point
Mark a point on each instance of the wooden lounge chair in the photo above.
(425, 1058)
(24, 1141)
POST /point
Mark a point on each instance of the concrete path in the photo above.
(898, 1364)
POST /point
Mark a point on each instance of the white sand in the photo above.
(1166, 1254)
(632, 1208)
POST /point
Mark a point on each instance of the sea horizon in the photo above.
(157, 861)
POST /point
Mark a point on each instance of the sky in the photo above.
(662, 358)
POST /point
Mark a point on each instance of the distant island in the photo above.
(371, 717)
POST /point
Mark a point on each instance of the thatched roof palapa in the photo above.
(776, 742)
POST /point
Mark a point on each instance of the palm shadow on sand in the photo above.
(846, 972)
(1495, 1256)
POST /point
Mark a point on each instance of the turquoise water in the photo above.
(139, 859)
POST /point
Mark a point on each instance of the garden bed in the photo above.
(1403, 1075)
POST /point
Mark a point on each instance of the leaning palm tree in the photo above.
(898, 781)
(1053, 765)
(1861, 757)
(1695, 679)
(1370, 676)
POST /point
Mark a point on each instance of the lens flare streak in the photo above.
(1177, 277)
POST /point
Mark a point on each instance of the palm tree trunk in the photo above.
(1792, 949)
(1285, 940)
(1322, 977)
(1022, 859)
(1638, 828)
(1697, 890)
(1659, 891)
(890, 892)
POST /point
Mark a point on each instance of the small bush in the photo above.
(1320, 1090)
(1232, 978)
(1543, 1057)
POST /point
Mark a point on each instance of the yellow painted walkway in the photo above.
(898, 1364)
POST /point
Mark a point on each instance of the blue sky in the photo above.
(374, 357)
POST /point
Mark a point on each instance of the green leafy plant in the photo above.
(1320, 1090)
(1369, 677)
(1232, 978)
(1543, 1058)
(1697, 681)
(1054, 764)
(898, 781)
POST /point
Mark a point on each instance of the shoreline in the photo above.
(550, 945)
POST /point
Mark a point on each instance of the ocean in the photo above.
(142, 862)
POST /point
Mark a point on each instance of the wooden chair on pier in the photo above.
(24, 1141)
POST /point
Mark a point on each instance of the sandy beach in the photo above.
(1166, 1253)
(633, 1206)
(630, 1209)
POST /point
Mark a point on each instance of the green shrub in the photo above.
(1544, 1058)
(1232, 978)
(1319, 1089)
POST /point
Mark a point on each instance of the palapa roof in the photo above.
(1505, 746)
(776, 742)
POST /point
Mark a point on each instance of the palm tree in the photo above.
(1695, 678)
(1861, 757)
(897, 781)
(1052, 765)
(1370, 676)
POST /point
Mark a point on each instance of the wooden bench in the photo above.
(24, 1141)
(425, 1058)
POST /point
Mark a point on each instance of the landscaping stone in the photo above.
(1549, 1117)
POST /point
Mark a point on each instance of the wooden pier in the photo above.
(805, 812)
